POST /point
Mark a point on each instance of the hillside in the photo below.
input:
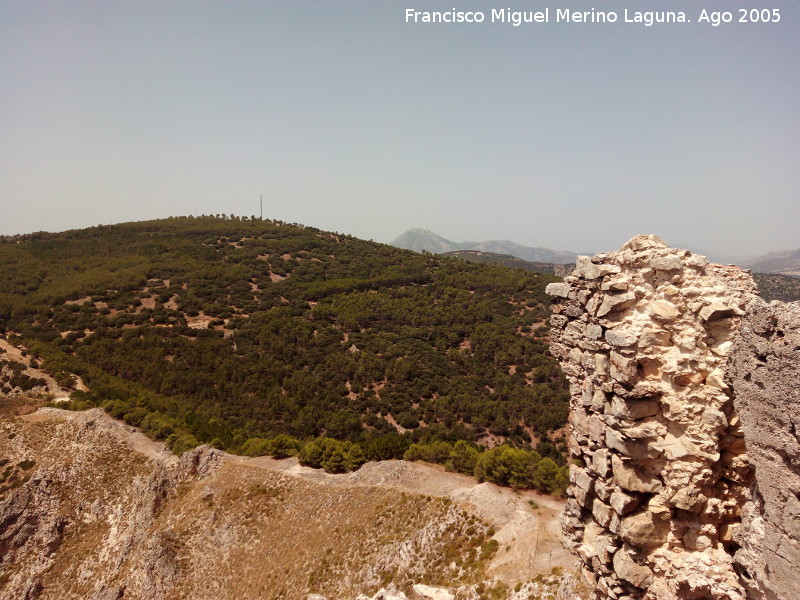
(780, 263)
(773, 286)
(512, 262)
(91, 508)
(234, 331)
(424, 239)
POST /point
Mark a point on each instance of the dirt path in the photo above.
(9, 351)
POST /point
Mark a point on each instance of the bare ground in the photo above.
(529, 538)
(288, 529)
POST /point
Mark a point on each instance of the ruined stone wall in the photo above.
(660, 473)
(764, 373)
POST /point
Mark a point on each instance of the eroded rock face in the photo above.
(765, 375)
(644, 335)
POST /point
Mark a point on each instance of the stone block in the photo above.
(614, 303)
(664, 310)
(644, 530)
(603, 490)
(618, 284)
(652, 336)
(600, 463)
(581, 478)
(666, 263)
(622, 337)
(584, 267)
(628, 569)
(623, 503)
(559, 290)
(634, 478)
(634, 409)
(601, 512)
(594, 331)
(718, 310)
(623, 369)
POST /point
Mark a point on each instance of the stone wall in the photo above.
(764, 373)
(660, 473)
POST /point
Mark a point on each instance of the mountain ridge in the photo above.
(420, 239)
(783, 262)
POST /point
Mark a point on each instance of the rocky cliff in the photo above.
(92, 509)
(681, 427)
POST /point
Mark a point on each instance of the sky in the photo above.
(343, 116)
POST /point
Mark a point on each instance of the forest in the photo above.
(254, 334)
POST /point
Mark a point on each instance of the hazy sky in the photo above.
(574, 136)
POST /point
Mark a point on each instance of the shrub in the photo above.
(311, 455)
(181, 443)
(463, 458)
(355, 458)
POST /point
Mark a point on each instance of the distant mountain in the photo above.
(782, 263)
(424, 239)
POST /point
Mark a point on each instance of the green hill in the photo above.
(773, 286)
(478, 256)
(236, 330)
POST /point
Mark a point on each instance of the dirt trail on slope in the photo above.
(99, 419)
(526, 523)
(11, 352)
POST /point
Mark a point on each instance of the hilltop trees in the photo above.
(240, 331)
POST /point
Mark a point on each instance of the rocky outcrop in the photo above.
(92, 509)
(661, 474)
(117, 494)
(765, 376)
(31, 530)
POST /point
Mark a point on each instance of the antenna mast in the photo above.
(261, 206)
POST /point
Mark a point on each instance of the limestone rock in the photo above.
(558, 289)
(644, 242)
(765, 376)
(620, 337)
(614, 303)
(666, 263)
(623, 368)
(615, 285)
(634, 409)
(584, 267)
(623, 503)
(633, 479)
(645, 345)
(581, 478)
(644, 530)
(426, 592)
(626, 568)
(717, 310)
(600, 462)
(655, 336)
(601, 512)
(664, 310)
